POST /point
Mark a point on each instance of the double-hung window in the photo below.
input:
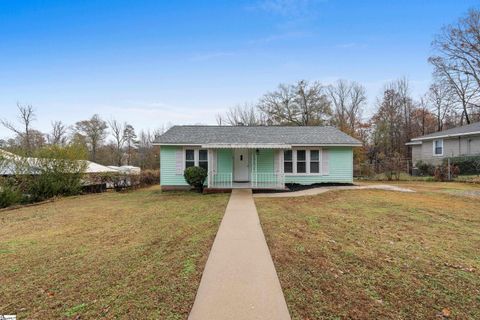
(287, 161)
(301, 161)
(438, 147)
(314, 161)
(203, 159)
(189, 158)
(196, 157)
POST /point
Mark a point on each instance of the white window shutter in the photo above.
(179, 162)
(325, 162)
(276, 161)
(213, 160)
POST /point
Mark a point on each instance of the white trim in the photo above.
(447, 136)
(327, 145)
(176, 144)
(414, 143)
(196, 156)
(433, 144)
(246, 146)
(262, 145)
(294, 172)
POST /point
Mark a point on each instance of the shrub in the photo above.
(467, 165)
(149, 177)
(195, 176)
(391, 166)
(9, 194)
(441, 172)
(425, 169)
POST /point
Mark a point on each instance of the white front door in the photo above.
(240, 165)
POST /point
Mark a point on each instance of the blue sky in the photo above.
(156, 62)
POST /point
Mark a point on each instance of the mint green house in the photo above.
(258, 157)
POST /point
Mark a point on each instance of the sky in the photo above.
(155, 63)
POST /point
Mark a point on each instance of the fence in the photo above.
(446, 166)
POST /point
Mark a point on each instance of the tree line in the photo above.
(108, 142)
(453, 99)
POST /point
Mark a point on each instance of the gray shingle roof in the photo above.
(463, 130)
(255, 135)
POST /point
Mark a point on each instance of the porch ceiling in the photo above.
(245, 146)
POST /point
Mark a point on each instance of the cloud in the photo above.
(286, 7)
(351, 45)
(281, 36)
(210, 56)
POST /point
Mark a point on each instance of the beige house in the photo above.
(460, 141)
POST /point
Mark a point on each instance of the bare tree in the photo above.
(118, 132)
(299, 104)
(94, 130)
(26, 117)
(247, 115)
(459, 45)
(441, 100)
(348, 99)
(58, 135)
(465, 88)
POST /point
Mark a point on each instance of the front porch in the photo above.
(260, 181)
(241, 168)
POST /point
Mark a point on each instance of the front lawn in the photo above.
(136, 255)
(371, 254)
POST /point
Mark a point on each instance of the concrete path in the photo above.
(239, 280)
(315, 191)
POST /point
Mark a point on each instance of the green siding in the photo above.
(340, 166)
(224, 161)
(168, 175)
(265, 164)
(340, 169)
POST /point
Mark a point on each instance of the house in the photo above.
(256, 157)
(433, 148)
(11, 164)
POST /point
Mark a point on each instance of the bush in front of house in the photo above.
(466, 164)
(425, 169)
(441, 172)
(9, 193)
(195, 176)
(149, 177)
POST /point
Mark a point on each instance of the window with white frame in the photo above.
(196, 157)
(189, 158)
(288, 161)
(314, 161)
(203, 159)
(302, 161)
(438, 147)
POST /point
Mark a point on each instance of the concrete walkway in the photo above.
(239, 280)
(315, 191)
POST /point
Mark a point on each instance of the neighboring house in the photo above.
(256, 156)
(8, 165)
(433, 148)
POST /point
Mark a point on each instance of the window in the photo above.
(438, 147)
(287, 161)
(314, 161)
(203, 159)
(195, 157)
(301, 161)
(189, 158)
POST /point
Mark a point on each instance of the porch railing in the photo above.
(268, 180)
(220, 179)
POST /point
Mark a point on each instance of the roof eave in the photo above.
(453, 135)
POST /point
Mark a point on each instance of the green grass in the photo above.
(370, 254)
(136, 255)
